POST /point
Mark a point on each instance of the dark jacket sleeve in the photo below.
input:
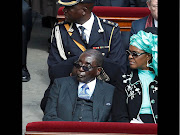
(133, 30)
(55, 61)
(117, 50)
(54, 57)
(50, 113)
(119, 108)
(138, 25)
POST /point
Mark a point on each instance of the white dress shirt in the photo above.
(156, 23)
(88, 26)
(91, 86)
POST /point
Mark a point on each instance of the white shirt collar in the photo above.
(91, 86)
(155, 23)
(88, 26)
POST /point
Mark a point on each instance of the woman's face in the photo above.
(138, 62)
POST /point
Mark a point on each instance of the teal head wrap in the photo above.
(147, 42)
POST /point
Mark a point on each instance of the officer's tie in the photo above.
(84, 92)
(83, 36)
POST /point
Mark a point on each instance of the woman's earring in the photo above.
(147, 63)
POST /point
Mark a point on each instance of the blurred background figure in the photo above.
(48, 9)
(26, 34)
(121, 3)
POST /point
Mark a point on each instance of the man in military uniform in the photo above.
(67, 43)
(83, 30)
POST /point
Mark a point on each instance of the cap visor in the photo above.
(67, 3)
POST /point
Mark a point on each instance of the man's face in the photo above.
(73, 14)
(88, 61)
(153, 7)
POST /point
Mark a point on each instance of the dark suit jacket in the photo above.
(63, 96)
(138, 25)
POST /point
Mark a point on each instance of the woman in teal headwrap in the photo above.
(136, 100)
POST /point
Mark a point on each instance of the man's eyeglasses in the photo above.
(134, 54)
(85, 68)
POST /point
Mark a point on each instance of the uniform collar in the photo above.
(88, 27)
(88, 24)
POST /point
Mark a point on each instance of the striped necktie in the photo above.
(84, 92)
(83, 35)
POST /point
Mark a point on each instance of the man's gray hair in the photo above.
(97, 54)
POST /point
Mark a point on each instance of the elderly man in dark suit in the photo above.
(148, 21)
(82, 97)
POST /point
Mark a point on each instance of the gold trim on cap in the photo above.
(67, 3)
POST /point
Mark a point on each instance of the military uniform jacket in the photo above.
(105, 36)
(63, 99)
(129, 98)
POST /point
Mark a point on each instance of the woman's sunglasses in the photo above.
(134, 54)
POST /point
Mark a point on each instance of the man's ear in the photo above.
(99, 69)
(148, 4)
(85, 9)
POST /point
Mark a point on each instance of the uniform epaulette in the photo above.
(57, 23)
(110, 22)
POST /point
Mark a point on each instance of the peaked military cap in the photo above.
(74, 2)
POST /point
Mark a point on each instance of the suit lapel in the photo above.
(95, 35)
(98, 99)
(72, 91)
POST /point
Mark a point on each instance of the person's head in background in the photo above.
(143, 50)
(153, 7)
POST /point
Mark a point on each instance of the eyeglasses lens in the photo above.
(134, 54)
(85, 68)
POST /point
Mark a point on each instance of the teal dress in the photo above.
(146, 77)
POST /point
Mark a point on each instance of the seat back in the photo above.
(121, 15)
